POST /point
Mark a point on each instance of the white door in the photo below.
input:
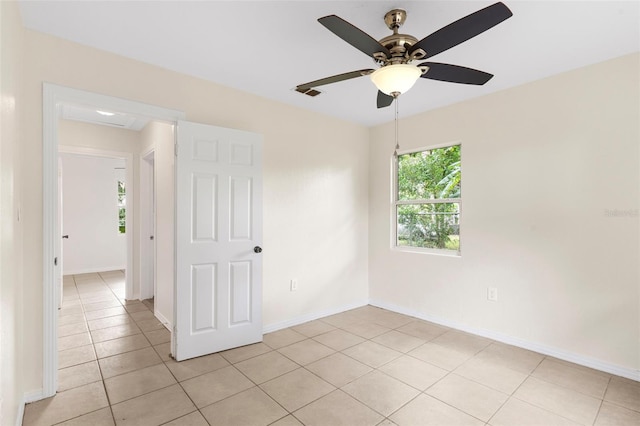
(218, 295)
(151, 261)
(147, 226)
(60, 271)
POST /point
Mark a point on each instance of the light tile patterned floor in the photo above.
(367, 366)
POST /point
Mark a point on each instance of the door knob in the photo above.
(65, 237)
(257, 249)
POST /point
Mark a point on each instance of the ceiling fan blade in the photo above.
(353, 35)
(384, 100)
(455, 73)
(333, 79)
(463, 29)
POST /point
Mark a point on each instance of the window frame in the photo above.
(122, 223)
(395, 202)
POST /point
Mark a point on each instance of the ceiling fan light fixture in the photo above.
(396, 78)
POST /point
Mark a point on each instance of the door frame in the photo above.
(147, 222)
(53, 97)
(59, 233)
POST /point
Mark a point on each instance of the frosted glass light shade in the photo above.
(395, 78)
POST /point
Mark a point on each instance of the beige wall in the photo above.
(104, 138)
(12, 385)
(542, 164)
(90, 214)
(94, 136)
(315, 180)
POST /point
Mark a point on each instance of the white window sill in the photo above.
(420, 250)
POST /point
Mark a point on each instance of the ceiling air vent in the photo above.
(308, 92)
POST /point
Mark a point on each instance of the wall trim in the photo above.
(28, 397)
(96, 270)
(50, 113)
(20, 413)
(167, 324)
(34, 395)
(514, 341)
(310, 317)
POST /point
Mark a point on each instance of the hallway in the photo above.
(101, 336)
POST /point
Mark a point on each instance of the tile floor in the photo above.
(367, 366)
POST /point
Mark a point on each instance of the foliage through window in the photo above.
(122, 207)
(428, 199)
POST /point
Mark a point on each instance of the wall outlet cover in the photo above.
(492, 294)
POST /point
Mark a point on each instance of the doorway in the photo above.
(54, 97)
(95, 218)
(218, 182)
(148, 285)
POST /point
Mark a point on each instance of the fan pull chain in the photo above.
(395, 153)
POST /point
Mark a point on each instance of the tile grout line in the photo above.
(164, 363)
(530, 375)
(104, 385)
(102, 379)
(82, 303)
(262, 390)
(340, 388)
(344, 322)
(128, 314)
(420, 392)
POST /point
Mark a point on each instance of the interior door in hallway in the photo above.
(218, 239)
(60, 237)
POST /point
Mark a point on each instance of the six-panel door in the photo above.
(218, 224)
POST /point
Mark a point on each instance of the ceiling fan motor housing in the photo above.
(398, 44)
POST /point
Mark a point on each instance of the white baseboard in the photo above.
(95, 270)
(34, 395)
(514, 341)
(20, 413)
(310, 317)
(31, 396)
(163, 320)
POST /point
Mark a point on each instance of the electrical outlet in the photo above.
(294, 285)
(492, 294)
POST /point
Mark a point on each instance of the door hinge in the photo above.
(175, 150)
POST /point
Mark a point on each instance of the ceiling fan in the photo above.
(395, 53)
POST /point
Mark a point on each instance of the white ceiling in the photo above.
(269, 47)
(100, 116)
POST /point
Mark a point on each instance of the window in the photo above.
(428, 200)
(122, 209)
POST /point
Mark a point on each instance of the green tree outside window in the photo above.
(429, 198)
(122, 207)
